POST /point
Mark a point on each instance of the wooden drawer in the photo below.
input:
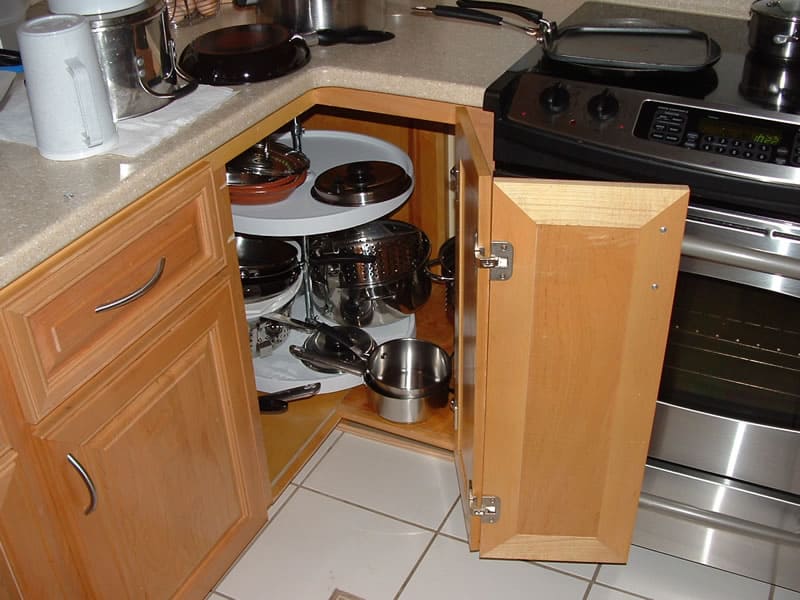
(56, 334)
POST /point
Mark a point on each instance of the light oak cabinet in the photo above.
(154, 465)
(133, 391)
(31, 560)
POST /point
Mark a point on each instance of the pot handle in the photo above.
(437, 262)
(191, 82)
(327, 362)
(529, 14)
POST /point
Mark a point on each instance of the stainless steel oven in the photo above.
(722, 483)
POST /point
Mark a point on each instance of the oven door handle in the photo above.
(745, 258)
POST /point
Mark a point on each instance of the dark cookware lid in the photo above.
(244, 54)
(361, 183)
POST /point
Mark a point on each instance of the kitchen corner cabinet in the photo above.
(127, 354)
(563, 303)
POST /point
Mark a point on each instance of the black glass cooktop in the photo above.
(740, 78)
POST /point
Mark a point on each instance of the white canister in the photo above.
(67, 93)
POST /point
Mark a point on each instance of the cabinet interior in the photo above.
(291, 437)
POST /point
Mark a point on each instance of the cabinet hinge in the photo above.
(500, 261)
(486, 508)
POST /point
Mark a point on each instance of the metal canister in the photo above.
(138, 58)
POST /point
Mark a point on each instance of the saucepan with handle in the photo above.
(628, 44)
(406, 378)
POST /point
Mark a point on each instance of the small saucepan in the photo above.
(406, 378)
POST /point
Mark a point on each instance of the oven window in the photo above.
(734, 351)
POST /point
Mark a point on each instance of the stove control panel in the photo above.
(760, 144)
(739, 136)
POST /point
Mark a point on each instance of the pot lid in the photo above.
(328, 347)
(90, 7)
(779, 9)
(266, 160)
(361, 183)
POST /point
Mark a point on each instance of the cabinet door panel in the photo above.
(472, 302)
(572, 363)
(169, 444)
(31, 566)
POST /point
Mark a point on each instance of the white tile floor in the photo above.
(379, 522)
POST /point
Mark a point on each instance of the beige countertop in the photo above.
(45, 204)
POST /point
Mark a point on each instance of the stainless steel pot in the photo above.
(379, 276)
(138, 59)
(774, 28)
(307, 16)
(406, 378)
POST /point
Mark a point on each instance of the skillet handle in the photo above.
(456, 12)
(327, 362)
(529, 14)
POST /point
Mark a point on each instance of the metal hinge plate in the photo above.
(486, 508)
(500, 261)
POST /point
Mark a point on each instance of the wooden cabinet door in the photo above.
(170, 445)
(33, 563)
(559, 361)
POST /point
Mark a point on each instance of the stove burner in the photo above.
(361, 183)
(771, 82)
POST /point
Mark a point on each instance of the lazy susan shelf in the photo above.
(300, 214)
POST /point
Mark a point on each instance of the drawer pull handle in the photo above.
(88, 481)
(136, 293)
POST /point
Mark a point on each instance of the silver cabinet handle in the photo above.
(88, 481)
(136, 293)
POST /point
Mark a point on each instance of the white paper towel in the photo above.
(136, 135)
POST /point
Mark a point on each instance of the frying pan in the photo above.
(244, 54)
(616, 44)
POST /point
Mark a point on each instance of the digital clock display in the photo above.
(739, 131)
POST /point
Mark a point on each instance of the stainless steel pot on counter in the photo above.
(774, 28)
(137, 55)
(309, 16)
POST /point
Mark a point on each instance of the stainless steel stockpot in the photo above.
(370, 275)
(774, 28)
(308, 16)
(138, 58)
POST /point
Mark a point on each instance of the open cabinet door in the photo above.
(559, 356)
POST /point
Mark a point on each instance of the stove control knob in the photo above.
(603, 106)
(555, 98)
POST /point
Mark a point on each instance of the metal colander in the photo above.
(393, 250)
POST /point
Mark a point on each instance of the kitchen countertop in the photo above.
(46, 205)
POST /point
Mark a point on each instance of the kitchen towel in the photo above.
(136, 135)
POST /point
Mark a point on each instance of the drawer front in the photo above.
(96, 297)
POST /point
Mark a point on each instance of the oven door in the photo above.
(723, 479)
